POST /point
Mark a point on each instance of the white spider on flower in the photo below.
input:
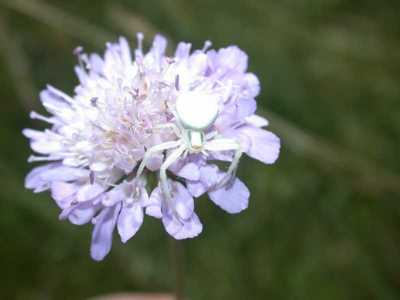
(195, 112)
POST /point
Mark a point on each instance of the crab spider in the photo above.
(195, 112)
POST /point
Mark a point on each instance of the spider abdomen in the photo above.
(196, 110)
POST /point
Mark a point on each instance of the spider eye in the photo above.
(196, 110)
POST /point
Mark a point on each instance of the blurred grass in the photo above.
(323, 223)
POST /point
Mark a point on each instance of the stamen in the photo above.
(34, 158)
(93, 101)
(207, 44)
(78, 50)
(91, 177)
(135, 93)
(170, 60)
(139, 49)
(34, 115)
(61, 95)
(134, 195)
(139, 63)
(82, 58)
(177, 82)
(195, 84)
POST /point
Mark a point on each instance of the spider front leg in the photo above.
(175, 128)
(153, 150)
(224, 144)
(173, 157)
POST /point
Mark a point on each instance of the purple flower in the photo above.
(177, 214)
(232, 197)
(134, 115)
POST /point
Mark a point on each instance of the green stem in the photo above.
(177, 261)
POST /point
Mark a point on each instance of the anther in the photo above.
(207, 44)
(177, 82)
(170, 60)
(78, 50)
(83, 59)
(91, 177)
(93, 101)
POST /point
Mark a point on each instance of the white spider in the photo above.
(194, 112)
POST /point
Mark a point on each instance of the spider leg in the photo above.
(173, 157)
(153, 150)
(225, 144)
(211, 135)
(172, 126)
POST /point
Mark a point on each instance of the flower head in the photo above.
(132, 117)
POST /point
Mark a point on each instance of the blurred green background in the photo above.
(323, 223)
